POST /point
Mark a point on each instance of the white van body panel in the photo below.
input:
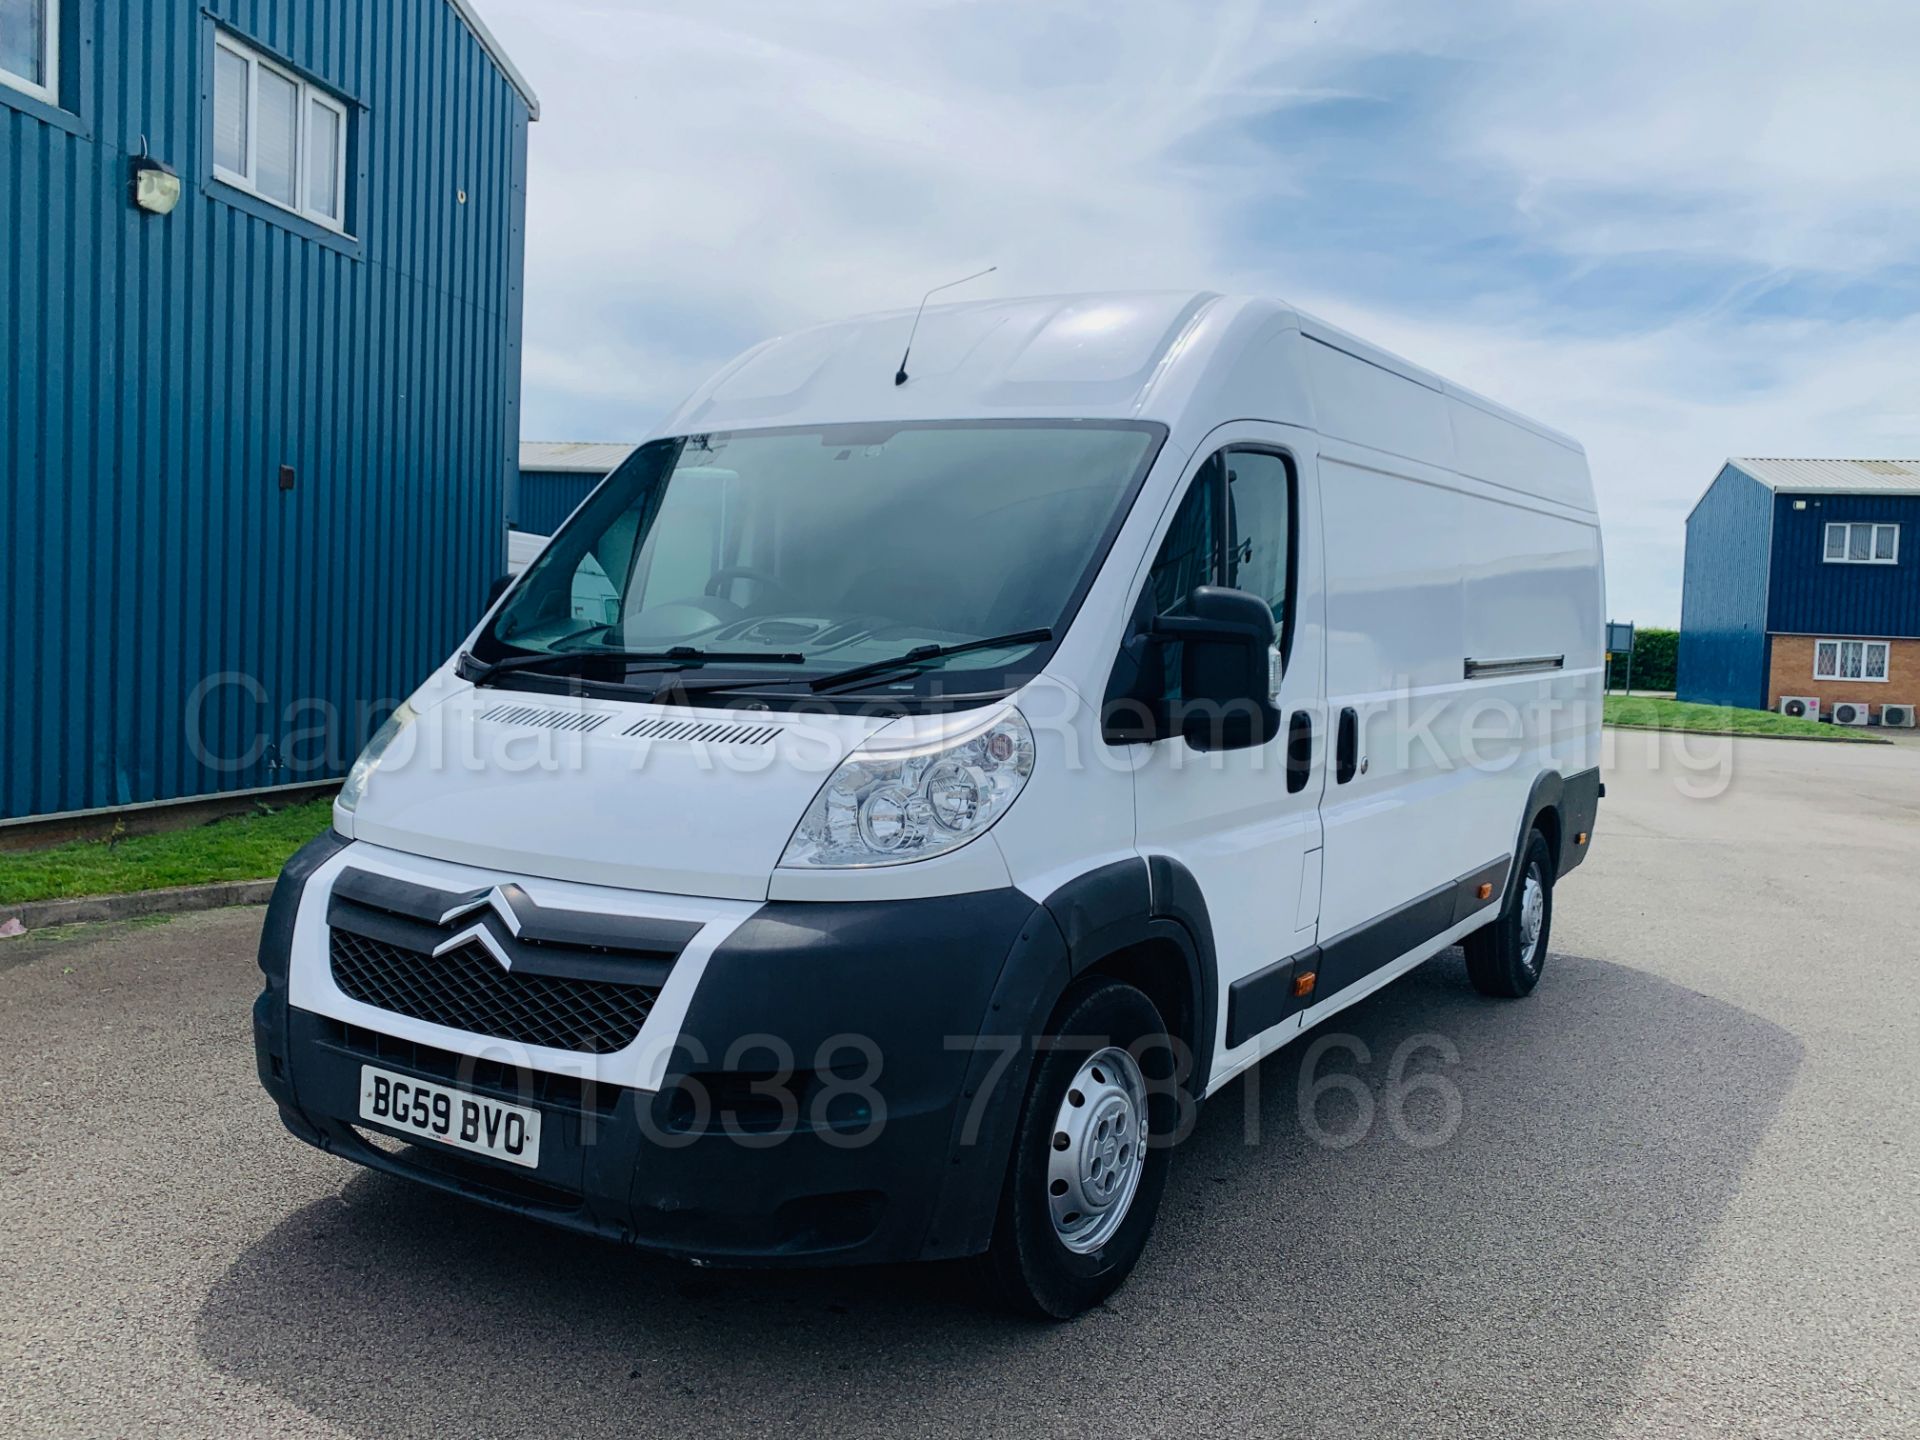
(1228, 816)
(1447, 761)
(511, 782)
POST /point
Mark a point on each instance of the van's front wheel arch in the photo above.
(1506, 957)
(1090, 1152)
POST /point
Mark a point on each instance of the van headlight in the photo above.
(390, 730)
(891, 804)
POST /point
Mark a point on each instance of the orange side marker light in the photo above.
(1486, 892)
(1303, 984)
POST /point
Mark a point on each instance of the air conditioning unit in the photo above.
(1849, 712)
(1900, 715)
(1800, 707)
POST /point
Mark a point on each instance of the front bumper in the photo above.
(829, 1099)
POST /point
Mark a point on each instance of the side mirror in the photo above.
(497, 589)
(1225, 700)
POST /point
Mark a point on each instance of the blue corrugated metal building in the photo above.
(555, 476)
(255, 447)
(1803, 582)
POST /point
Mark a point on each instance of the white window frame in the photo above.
(306, 95)
(1873, 529)
(50, 62)
(1839, 664)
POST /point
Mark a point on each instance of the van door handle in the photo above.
(1347, 757)
(1299, 751)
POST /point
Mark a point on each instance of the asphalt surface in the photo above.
(1675, 1192)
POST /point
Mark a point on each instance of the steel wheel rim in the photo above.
(1533, 914)
(1098, 1150)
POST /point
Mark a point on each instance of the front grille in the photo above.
(466, 989)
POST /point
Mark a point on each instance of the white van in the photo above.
(893, 800)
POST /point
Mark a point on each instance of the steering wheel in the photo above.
(719, 582)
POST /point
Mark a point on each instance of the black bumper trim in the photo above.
(923, 980)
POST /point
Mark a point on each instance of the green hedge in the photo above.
(1656, 661)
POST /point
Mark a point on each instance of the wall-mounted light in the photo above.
(156, 189)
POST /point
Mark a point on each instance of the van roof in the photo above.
(1145, 355)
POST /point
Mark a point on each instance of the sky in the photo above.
(1677, 229)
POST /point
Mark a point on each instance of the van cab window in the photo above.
(1234, 528)
(843, 545)
(1260, 529)
(1190, 554)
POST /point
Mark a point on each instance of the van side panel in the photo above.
(1412, 817)
(1427, 570)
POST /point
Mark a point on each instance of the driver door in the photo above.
(1244, 825)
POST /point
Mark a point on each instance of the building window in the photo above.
(30, 47)
(1863, 544)
(278, 136)
(1850, 660)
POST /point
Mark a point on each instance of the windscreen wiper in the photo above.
(921, 655)
(675, 657)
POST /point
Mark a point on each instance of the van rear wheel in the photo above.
(1090, 1154)
(1506, 957)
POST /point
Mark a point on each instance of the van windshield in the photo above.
(824, 549)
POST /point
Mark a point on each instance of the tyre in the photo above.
(1505, 958)
(1084, 1182)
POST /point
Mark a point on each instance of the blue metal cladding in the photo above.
(175, 623)
(547, 497)
(1812, 597)
(1723, 599)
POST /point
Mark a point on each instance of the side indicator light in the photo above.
(1486, 892)
(1581, 838)
(1303, 984)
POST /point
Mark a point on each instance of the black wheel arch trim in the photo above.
(1575, 802)
(1580, 808)
(1096, 915)
(1137, 901)
(1177, 899)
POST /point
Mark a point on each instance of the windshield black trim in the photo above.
(933, 701)
(927, 696)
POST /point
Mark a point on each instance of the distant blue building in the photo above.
(260, 302)
(1803, 581)
(555, 476)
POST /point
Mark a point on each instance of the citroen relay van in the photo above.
(902, 792)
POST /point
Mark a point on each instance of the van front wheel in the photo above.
(1090, 1154)
(1506, 957)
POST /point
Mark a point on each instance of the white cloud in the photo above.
(1779, 131)
(705, 175)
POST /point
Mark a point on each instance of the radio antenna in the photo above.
(900, 375)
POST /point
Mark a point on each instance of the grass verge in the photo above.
(239, 847)
(1642, 712)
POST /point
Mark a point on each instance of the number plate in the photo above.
(453, 1117)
